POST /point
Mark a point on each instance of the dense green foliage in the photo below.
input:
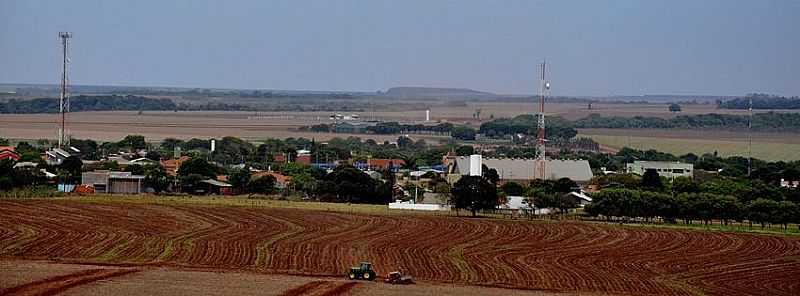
(262, 185)
(87, 103)
(474, 193)
(348, 184)
(769, 121)
(761, 101)
(555, 127)
(11, 177)
(626, 203)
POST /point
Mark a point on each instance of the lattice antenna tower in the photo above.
(544, 87)
(750, 137)
(63, 139)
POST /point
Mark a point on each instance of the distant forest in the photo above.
(87, 103)
(139, 103)
(769, 121)
(762, 101)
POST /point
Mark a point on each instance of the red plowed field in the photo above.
(546, 256)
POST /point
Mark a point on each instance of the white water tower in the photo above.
(475, 165)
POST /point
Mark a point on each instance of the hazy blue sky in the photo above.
(723, 47)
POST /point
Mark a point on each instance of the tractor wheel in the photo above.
(352, 276)
(367, 276)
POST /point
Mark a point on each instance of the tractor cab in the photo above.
(362, 272)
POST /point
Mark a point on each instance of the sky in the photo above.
(592, 48)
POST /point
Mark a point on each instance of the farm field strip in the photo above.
(557, 257)
(767, 150)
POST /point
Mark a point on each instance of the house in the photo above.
(171, 166)
(211, 186)
(381, 164)
(303, 157)
(56, 156)
(9, 152)
(668, 169)
(580, 198)
(143, 161)
(523, 170)
(113, 182)
(279, 157)
(790, 184)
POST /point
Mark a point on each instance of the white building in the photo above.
(666, 169)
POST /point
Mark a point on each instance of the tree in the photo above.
(651, 180)
(513, 188)
(197, 166)
(71, 169)
(403, 142)
(189, 182)
(564, 185)
(156, 177)
(490, 175)
(674, 107)
(785, 213)
(88, 148)
(465, 150)
(353, 185)
(153, 155)
(135, 169)
(761, 210)
(238, 178)
(474, 193)
(133, 142)
(543, 200)
(684, 185)
(463, 133)
(263, 185)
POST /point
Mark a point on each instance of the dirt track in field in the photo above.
(554, 257)
(58, 284)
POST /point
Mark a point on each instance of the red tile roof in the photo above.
(384, 163)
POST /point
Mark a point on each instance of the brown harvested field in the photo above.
(155, 126)
(551, 257)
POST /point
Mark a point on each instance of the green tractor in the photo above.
(362, 272)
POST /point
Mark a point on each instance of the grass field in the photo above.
(761, 150)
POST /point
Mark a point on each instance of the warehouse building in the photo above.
(668, 169)
(113, 182)
(523, 169)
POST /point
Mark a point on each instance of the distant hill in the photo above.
(411, 91)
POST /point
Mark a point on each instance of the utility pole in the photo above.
(544, 85)
(64, 100)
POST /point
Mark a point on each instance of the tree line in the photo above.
(769, 121)
(705, 207)
(761, 101)
(527, 124)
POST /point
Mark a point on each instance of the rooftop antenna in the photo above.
(750, 138)
(63, 140)
(544, 86)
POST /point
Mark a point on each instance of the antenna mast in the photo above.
(544, 85)
(750, 138)
(64, 101)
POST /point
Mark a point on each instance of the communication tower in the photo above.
(63, 139)
(544, 87)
